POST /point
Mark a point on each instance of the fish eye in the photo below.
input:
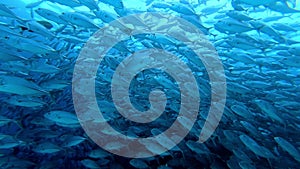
(6, 37)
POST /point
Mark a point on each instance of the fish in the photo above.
(288, 147)
(182, 9)
(197, 147)
(71, 140)
(251, 128)
(290, 61)
(255, 148)
(38, 28)
(137, 163)
(25, 101)
(19, 86)
(63, 118)
(269, 109)
(26, 44)
(99, 153)
(90, 164)
(283, 27)
(105, 16)
(238, 88)
(232, 26)
(161, 5)
(212, 9)
(47, 148)
(240, 16)
(196, 21)
(78, 20)
(8, 142)
(50, 15)
(54, 84)
(242, 43)
(256, 41)
(46, 24)
(242, 111)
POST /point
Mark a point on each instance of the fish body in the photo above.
(78, 20)
(240, 16)
(105, 16)
(38, 28)
(20, 86)
(50, 15)
(63, 118)
(27, 44)
(269, 109)
(256, 41)
(182, 9)
(46, 148)
(255, 148)
(232, 26)
(288, 147)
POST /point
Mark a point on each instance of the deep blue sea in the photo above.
(172, 84)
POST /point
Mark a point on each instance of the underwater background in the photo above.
(258, 42)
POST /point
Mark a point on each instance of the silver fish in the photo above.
(63, 118)
(78, 20)
(255, 148)
(232, 26)
(288, 147)
(50, 15)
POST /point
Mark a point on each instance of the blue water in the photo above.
(257, 42)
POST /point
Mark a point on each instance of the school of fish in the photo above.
(259, 45)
